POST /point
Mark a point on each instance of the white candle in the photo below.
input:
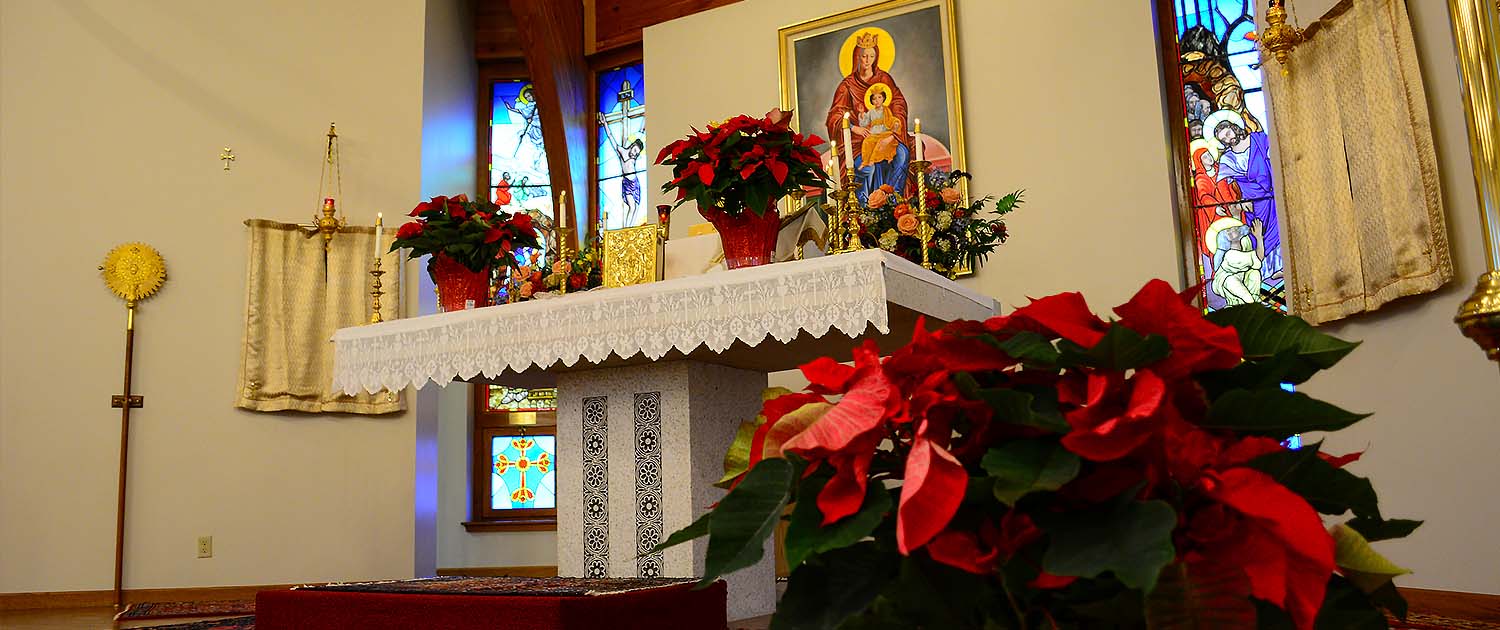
(833, 165)
(379, 232)
(917, 138)
(848, 145)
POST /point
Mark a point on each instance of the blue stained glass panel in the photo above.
(523, 472)
(519, 178)
(1236, 237)
(620, 167)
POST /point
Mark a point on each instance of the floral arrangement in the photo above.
(743, 163)
(477, 234)
(962, 237)
(1050, 469)
(538, 276)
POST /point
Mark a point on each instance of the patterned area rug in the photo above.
(167, 610)
(234, 623)
(1420, 621)
(515, 586)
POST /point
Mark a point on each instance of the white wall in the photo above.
(1065, 100)
(112, 116)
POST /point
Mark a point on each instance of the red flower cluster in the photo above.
(742, 162)
(477, 234)
(1138, 434)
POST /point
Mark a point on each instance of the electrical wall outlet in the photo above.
(205, 546)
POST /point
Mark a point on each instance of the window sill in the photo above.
(537, 524)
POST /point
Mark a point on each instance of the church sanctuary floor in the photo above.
(90, 618)
(102, 618)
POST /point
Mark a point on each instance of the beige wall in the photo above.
(113, 114)
(1064, 99)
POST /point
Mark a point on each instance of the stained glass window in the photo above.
(1236, 238)
(523, 473)
(620, 167)
(514, 399)
(518, 158)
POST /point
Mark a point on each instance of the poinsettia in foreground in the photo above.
(1050, 468)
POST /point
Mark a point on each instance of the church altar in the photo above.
(659, 375)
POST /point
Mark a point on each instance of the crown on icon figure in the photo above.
(868, 40)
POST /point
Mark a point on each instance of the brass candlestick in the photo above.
(924, 220)
(375, 293)
(843, 235)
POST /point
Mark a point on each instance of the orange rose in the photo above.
(907, 224)
(526, 290)
(902, 209)
(951, 195)
(562, 267)
(877, 198)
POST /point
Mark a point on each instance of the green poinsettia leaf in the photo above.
(1327, 489)
(1276, 413)
(1124, 349)
(1389, 598)
(1264, 333)
(696, 529)
(1200, 595)
(1377, 529)
(1134, 542)
(806, 535)
(737, 458)
(1013, 405)
(833, 586)
(1364, 567)
(1030, 347)
(1021, 467)
(745, 518)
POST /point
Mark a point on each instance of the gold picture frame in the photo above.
(914, 26)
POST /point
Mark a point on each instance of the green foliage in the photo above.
(832, 586)
(1134, 541)
(1276, 413)
(1346, 608)
(1265, 333)
(806, 535)
(1120, 349)
(1375, 529)
(1014, 405)
(1021, 467)
(1328, 489)
(1031, 348)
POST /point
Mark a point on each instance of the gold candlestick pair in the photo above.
(925, 229)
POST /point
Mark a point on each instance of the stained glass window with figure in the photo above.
(1234, 241)
(519, 178)
(620, 163)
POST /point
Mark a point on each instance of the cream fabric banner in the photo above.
(1364, 211)
(292, 309)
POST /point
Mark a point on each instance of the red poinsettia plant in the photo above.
(477, 234)
(744, 163)
(1051, 469)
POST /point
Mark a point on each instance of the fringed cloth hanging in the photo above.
(1364, 210)
(292, 309)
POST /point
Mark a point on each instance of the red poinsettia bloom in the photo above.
(1065, 315)
(847, 435)
(494, 234)
(577, 281)
(410, 230)
(1197, 344)
(1119, 416)
(1277, 538)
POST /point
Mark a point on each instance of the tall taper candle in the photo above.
(848, 145)
(833, 165)
(379, 232)
(917, 137)
(562, 210)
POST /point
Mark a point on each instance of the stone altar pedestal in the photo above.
(653, 381)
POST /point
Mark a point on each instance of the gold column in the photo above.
(1476, 38)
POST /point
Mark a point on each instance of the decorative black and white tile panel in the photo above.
(649, 522)
(596, 486)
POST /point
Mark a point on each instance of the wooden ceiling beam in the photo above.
(551, 39)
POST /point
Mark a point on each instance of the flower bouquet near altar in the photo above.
(736, 171)
(1051, 469)
(963, 236)
(466, 239)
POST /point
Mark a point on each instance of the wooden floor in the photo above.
(97, 618)
(103, 619)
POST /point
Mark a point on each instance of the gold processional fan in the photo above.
(134, 272)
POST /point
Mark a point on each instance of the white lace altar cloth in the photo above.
(848, 292)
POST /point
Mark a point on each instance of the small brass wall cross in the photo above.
(227, 156)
